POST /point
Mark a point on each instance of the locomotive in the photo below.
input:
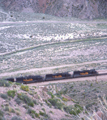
(52, 77)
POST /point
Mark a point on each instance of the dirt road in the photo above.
(51, 21)
(47, 68)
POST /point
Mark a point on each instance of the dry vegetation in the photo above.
(61, 101)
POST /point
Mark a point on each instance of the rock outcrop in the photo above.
(84, 9)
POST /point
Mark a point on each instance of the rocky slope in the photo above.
(62, 101)
(84, 9)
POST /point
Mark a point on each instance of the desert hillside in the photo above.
(62, 101)
(84, 9)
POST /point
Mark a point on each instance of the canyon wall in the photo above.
(84, 9)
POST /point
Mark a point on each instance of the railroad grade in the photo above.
(66, 76)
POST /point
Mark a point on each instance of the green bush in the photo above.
(11, 93)
(1, 113)
(4, 83)
(9, 109)
(48, 103)
(25, 99)
(76, 109)
(35, 102)
(50, 93)
(26, 106)
(33, 113)
(65, 99)
(56, 103)
(4, 96)
(18, 101)
(25, 88)
(42, 113)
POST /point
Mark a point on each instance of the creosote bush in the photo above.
(64, 99)
(4, 83)
(1, 113)
(25, 99)
(9, 109)
(25, 88)
(11, 93)
(75, 110)
(33, 113)
(18, 101)
(56, 103)
(4, 96)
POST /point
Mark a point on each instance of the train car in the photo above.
(33, 79)
(85, 73)
(26, 79)
(57, 76)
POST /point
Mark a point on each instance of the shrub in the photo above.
(43, 109)
(25, 88)
(56, 103)
(50, 93)
(35, 102)
(26, 106)
(4, 83)
(16, 118)
(26, 99)
(18, 101)
(11, 93)
(76, 109)
(43, 114)
(1, 113)
(9, 109)
(4, 96)
(48, 103)
(65, 99)
(33, 113)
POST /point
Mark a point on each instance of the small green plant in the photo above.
(18, 101)
(25, 99)
(48, 103)
(9, 109)
(33, 113)
(26, 106)
(4, 96)
(1, 113)
(16, 118)
(11, 93)
(50, 93)
(18, 83)
(35, 102)
(91, 85)
(75, 110)
(4, 83)
(43, 114)
(56, 103)
(64, 99)
(25, 88)
(51, 112)
(43, 109)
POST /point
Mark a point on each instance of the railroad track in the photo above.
(98, 77)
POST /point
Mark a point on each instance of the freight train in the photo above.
(52, 77)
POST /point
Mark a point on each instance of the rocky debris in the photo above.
(84, 9)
